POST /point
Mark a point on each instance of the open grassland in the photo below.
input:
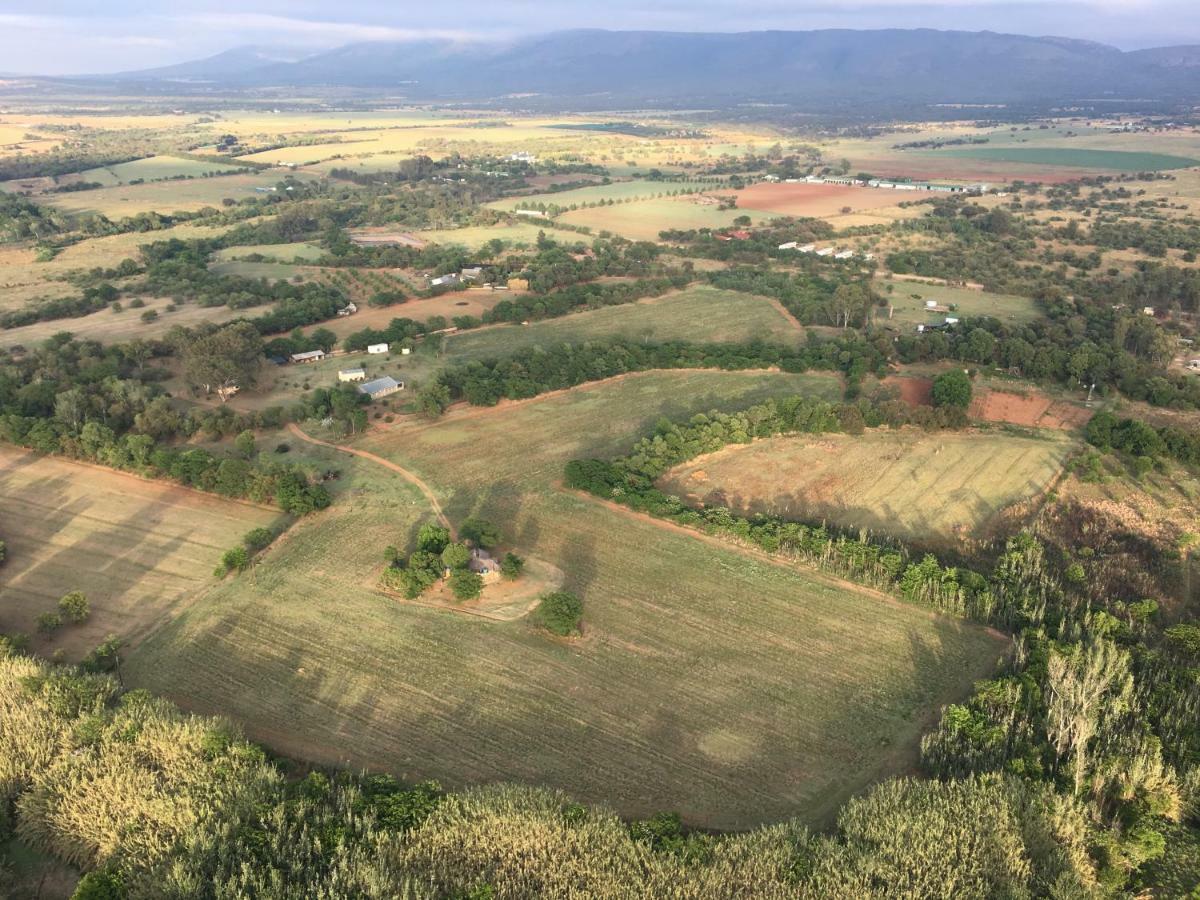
(638, 189)
(1075, 157)
(679, 696)
(908, 484)
(698, 314)
(908, 302)
(154, 168)
(109, 327)
(301, 251)
(644, 219)
(163, 196)
(24, 279)
(814, 200)
(138, 549)
(476, 236)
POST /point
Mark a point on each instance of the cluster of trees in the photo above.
(73, 608)
(238, 559)
(535, 371)
(90, 402)
(1096, 709)
(1142, 441)
(438, 555)
(202, 813)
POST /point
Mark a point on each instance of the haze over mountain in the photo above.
(826, 67)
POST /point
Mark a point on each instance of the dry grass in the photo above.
(707, 681)
(138, 549)
(931, 488)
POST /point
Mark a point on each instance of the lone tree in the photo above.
(225, 358)
(560, 613)
(952, 389)
(74, 606)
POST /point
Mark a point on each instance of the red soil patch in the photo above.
(1031, 410)
(814, 199)
(913, 391)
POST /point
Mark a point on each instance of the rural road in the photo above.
(408, 476)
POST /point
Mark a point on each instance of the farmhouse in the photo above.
(825, 251)
(483, 564)
(790, 245)
(445, 280)
(844, 254)
(348, 310)
(381, 387)
(358, 373)
(310, 356)
(377, 348)
(807, 248)
(472, 274)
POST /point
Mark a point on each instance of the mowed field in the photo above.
(618, 190)
(110, 327)
(696, 314)
(708, 681)
(1075, 157)
(154, 168)
(815, 200)
(908, 302)
(138, 549)
(163, 196)
(643, 219)
(931, 488)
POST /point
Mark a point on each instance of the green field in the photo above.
(476, 236)
(272, 271)
(154, 168)
(933, 489)
(302, 251)
(644, 219)
(709, 682)
(697, 314)
(908, 302)
(163, 196)
(618, 190)
(1081, 158)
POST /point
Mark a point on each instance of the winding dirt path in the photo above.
(404, 473)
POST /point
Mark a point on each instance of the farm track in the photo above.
(404, 473)
(811, 572)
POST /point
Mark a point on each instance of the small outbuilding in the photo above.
(310, 356)
(358, 373)
(381, 387)
(377, 348)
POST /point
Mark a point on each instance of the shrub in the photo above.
(456, 556)
(952, 389)
(258, 539)
(74, 607)
(49, 622)
(560, 613)
(234, 560)
(512, 566)
(465, 584)
(480, 533)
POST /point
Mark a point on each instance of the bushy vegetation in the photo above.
(560, 613)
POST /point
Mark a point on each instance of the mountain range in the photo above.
(827, 67)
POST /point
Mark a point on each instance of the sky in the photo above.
(55, 37)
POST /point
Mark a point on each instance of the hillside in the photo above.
(814, 67)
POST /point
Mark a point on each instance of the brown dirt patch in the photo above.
(913, 391)
(1033, 410)
(812, 199)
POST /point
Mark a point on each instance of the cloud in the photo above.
(322, 31)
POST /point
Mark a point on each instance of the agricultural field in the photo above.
(109, 327)
(934, 489)
(301, 251)
(271, 271)
(140, 550)
(698, 314)
(1075, 157)
(154, 168)
(642, 220)
(188, 195)
(619, 191)
(677, 696)
(908, 300)
(813, 200)
(474, 237)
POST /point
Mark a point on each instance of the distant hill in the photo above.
(230, 65)
(827, 67)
